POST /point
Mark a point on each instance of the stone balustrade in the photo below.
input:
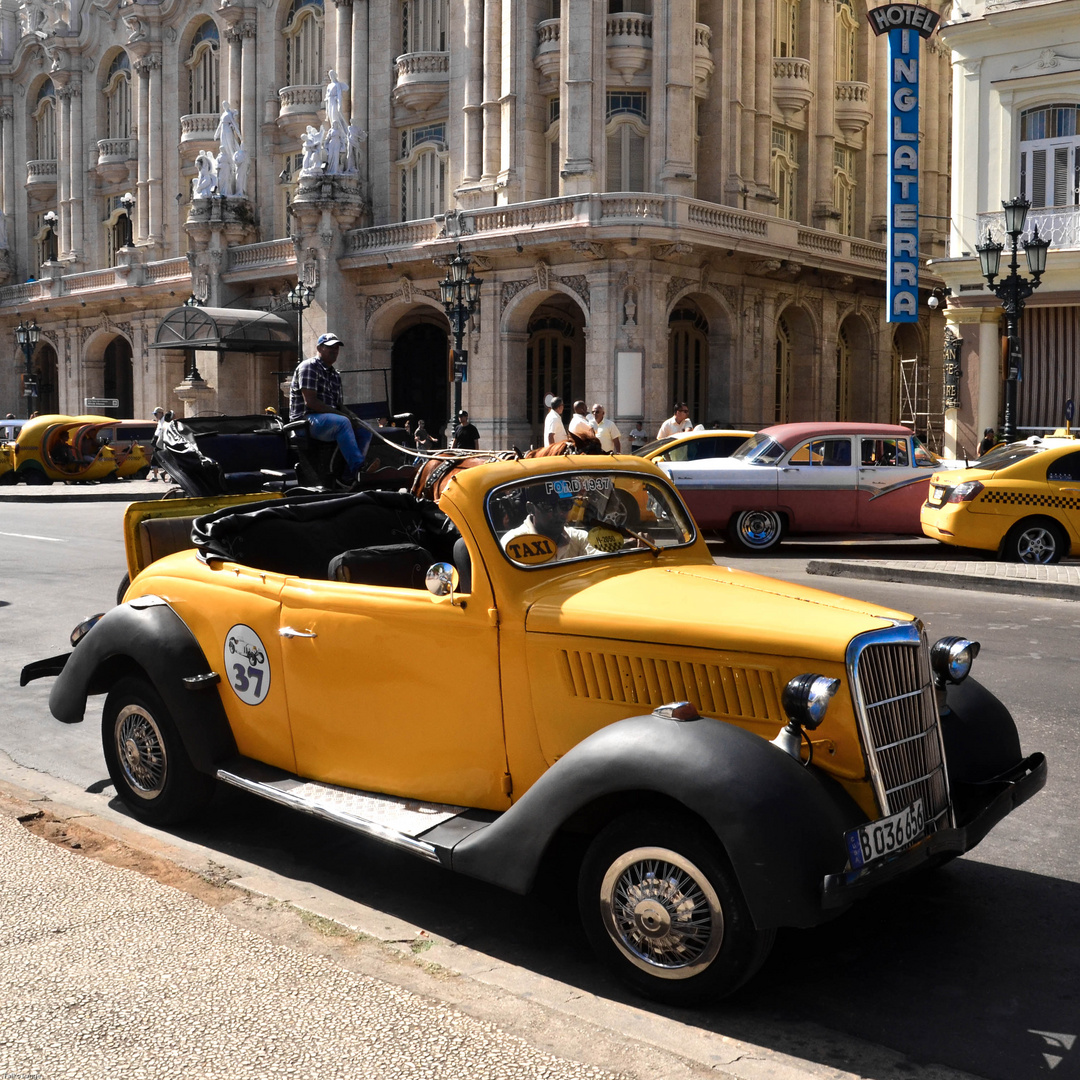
(1058, 224)
(41, 171)
(421, 79)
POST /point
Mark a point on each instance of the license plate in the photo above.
(939, 495)
(883, 837)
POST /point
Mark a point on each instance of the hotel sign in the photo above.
(905, 24)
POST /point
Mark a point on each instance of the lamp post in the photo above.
(127, 201)
(299, 298)
(27, 335)
(460, 295)
(1012, 291)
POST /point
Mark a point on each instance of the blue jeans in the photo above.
(334, 427)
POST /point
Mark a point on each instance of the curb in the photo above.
(1048, 590)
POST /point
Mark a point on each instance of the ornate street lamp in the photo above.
(300, 298)
(1012, 291)
(26, 336)
(460, 295)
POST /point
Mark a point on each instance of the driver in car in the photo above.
(544, 535)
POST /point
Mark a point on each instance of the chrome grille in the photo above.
(899, 721)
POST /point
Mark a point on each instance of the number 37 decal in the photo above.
(245, 662)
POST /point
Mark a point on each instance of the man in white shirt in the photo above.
(554, 432)
(609, 435)
(638, 438)
(674, 424)
(579, 422)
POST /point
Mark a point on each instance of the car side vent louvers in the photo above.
(646, 681)
(900, 728)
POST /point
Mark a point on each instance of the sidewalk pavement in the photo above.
(126, 951)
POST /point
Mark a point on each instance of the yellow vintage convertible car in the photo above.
(49, 448)
(518, 666)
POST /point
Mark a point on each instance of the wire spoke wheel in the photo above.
(140, 750)
(662, 913)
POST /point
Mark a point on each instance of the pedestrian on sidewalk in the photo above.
(156, 471)
(609, 435)
(466, 437)
(554, 432)
(679, 421)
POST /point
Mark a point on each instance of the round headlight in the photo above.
(84, 628)
(951, 658)
(806, 698)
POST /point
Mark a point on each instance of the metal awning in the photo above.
(224, 330)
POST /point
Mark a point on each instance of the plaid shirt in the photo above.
(313, 374)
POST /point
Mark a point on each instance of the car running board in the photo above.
(430, 830)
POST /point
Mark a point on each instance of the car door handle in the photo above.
(288, 631)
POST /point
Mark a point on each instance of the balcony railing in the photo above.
(791, 84)
(41, 171)
(421, 79)
(198, 128)
(111, 151)
(666, 217)
(1058, 224)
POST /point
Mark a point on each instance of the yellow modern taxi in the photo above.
(521, 668)
(695, 445)
(1021, 500)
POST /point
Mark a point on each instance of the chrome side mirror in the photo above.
(442, 579)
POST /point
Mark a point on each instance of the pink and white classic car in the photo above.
(811, 478)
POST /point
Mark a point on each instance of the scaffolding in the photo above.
(914, 407)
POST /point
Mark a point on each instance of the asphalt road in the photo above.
(975, 967)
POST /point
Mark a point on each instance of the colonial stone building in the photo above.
(1016, 95)
(661, 201)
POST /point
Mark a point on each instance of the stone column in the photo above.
(63, 169)
(986, 415)
(744, 57)
(155, 137)
(358, 65)
(249, 105)
(582, 26)
(343, 64)
(7, 147)
(142, 104)
(472, 165)
(673, 96)
(762, 49)
(234, 35)
(509, 180)
(78, 174)
(492, 89)
(824, 108)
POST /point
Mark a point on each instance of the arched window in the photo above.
(688, 359)
(843, 373)
(785, 27)
(45, 122)
(1050, 155)
(423, 25)
(117, 93)
(847, 28)
(204, 91)
(627, 140)
(554, 156)
(423, 171)
(304, 43)
(844, 188)
(782, 375)
(785, 171)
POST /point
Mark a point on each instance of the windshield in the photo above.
(586, 515)
(759, 449)
(1003, 456)
(648, 448)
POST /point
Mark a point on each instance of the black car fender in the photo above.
(781, 824)
(980, 736)
(149, 635)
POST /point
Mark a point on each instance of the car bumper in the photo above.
(996, 799)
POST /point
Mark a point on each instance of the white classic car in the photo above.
(811, 478)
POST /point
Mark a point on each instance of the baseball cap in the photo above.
(329, 339)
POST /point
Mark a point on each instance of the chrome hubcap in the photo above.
(662, 913)
(141, 752)
(758, 527)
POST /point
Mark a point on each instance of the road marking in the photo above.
(31, 536)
